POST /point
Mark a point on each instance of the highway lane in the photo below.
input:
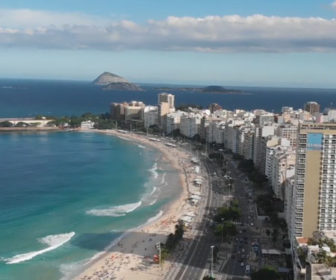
(198, 259)
(196, 262)
(189, 266)
(197, 256)
(242, 247)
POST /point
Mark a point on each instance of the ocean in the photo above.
(27, 98)
(65, 196)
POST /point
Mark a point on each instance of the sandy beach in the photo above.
(132, 256)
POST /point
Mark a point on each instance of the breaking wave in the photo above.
(153, 170)
(54, 241)
(157, 216)
(115, 211)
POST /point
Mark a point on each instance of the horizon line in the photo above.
(184, 84)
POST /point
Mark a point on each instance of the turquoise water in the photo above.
(66, 196)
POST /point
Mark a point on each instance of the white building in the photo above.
(87, 124)
(289, 132)
(260, 143)
(280, 166)
(151, 116)
(173, 121)
(189, 124)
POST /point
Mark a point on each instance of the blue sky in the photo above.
(227, 42)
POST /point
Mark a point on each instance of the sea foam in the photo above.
(54, 241)
(115, 211)
(157, 216)
(153, 170)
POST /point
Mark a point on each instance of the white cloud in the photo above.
(333, 5)
(256, 33)
(35, 18)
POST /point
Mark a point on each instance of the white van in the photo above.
(247, 269)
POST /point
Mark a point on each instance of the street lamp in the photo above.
(212, 257)
(158, 247)
(222, 219)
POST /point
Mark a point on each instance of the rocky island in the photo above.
(113, 82)
(208, 89)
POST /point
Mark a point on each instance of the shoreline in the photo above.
(30, 129)
(130, 256)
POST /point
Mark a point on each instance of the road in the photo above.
(196, 262)
(232, 263)
(248, 233)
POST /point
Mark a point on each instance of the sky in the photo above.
(287, 43)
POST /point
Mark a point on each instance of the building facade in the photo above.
(314, 195)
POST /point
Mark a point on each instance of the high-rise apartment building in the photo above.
(314, 194)
(312, 107)
(166, 104)
(167, 98)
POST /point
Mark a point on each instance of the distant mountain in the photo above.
(109, 81)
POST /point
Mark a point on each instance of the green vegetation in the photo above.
(21, 124)
(266, 273)
(208, 277)
(323, 241)
(40, 117)
(231, 213)
(102, 121)
(172, 240)
(270, 206)
(247, 166)
(302, 254)
(226, 229)
(321, 256)
(6, 124)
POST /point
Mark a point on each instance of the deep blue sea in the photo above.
(20, 98)
(65, 196)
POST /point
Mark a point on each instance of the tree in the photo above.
(321, 257)
(39, 117)
(232, 213)
(75, 121)
(22, 124)
(331, 261)
(6, 124)
(275, 233)
(246, 165)
(208, 277)
(226, 229)
(105, 124)
(174, 238)
(266, 273)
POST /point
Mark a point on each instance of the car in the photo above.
(247, 269)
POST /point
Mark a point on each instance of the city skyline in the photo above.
(233, 43)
